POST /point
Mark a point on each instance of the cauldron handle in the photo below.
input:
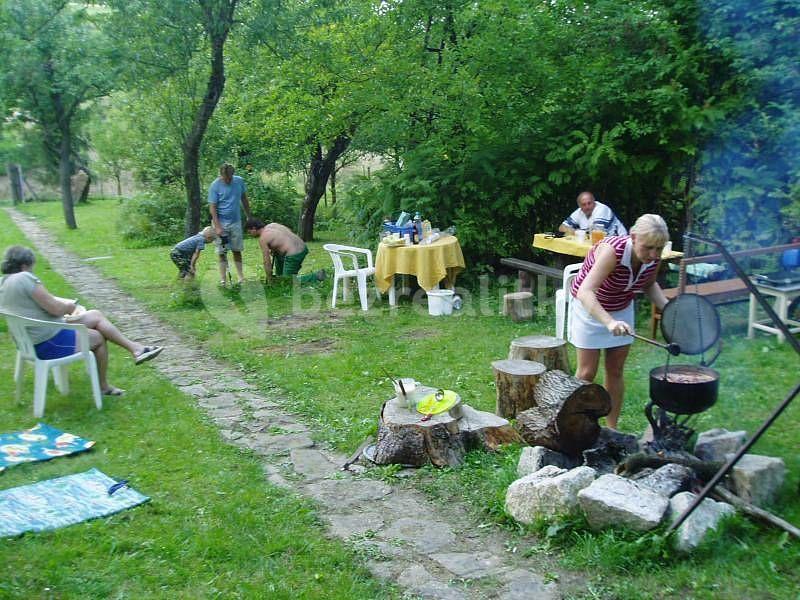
(716, 355)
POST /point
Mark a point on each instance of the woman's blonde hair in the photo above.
(651, 227)
(208, 232)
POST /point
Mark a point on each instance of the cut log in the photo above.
(565, 413)
(518, 306)
(754, 512)
(515, 381)
(405, 438)
(545, 349)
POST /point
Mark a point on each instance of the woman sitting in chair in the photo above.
(23, 294)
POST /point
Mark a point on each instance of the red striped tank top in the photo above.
(616, 292)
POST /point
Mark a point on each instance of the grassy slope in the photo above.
(342, 389)
(213, 528)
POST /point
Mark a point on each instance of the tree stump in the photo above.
(545, 349)
(404, 438)
(565, 413)
(518, 306)
(515, 381)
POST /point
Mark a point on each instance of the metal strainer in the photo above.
(692, 322)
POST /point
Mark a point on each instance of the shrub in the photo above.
(157, 217)
(274, 200)
(154, 218)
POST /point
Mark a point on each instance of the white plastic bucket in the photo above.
(440, 302)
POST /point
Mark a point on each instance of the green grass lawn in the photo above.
(330, 367)
(213, 529)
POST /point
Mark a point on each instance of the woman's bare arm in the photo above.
(58, 307)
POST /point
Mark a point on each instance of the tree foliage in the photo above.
(57, 59)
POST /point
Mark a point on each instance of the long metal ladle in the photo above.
(672, 348)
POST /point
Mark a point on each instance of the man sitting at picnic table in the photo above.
(282, 249)
(592, 214)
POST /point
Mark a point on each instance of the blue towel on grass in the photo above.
(63, 501)
(41, 442)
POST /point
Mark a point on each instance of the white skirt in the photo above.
(590, 334)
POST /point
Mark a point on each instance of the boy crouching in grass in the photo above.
(185, 253)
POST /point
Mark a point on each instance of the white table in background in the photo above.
(783, 295)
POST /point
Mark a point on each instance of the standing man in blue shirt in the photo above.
(224, 196)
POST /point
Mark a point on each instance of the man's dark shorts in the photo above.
(290, 265)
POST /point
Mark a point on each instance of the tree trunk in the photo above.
(65, 175)
(84, 197)
(548, 350)
(15, 182)
(333, 186)
(405, 438)
(218, 26)
(319, 172)
(515, 382)
(565, 413)
(518, 306)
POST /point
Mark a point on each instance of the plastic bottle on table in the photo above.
(417, 228)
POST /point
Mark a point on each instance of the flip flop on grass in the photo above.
(113, 391)
(147, 353)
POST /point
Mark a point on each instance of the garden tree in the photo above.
(519, 107)
(166, 39)
(56, 61)
(111, 137)
(304, 86)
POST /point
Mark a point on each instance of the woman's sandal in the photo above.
(147, 353)
(113, 391)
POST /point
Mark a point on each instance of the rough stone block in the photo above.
(614, 500)
(756, 479)
(703, 518)
(715, 444)
(668, 480)
(547, 493)
(534, 458)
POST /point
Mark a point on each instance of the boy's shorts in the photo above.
(235, 239)
(182, 261)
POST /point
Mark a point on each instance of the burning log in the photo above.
(565, 413)
(515, 382)
(550, 351)
(705, 470)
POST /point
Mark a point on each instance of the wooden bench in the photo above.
(525, 268)
(723, 291)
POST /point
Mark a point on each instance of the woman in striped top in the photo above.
(613, 271)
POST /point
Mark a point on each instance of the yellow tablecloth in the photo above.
(428, 263)
(572, 247)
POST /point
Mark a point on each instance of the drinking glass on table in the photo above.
(597, 235)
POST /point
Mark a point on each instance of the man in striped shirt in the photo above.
(601, 313)
(592, 214)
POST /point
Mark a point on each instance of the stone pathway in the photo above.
(443, 555)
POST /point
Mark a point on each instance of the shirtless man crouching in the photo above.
(283, 250)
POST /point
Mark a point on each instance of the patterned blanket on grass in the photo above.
(41, 442)
(63, 501)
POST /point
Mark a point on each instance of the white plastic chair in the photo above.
(360, 274)
(563, 298)
(18, 328)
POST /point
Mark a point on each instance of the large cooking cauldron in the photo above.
(684, 389)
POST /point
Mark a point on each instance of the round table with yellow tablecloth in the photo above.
(429, 263)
